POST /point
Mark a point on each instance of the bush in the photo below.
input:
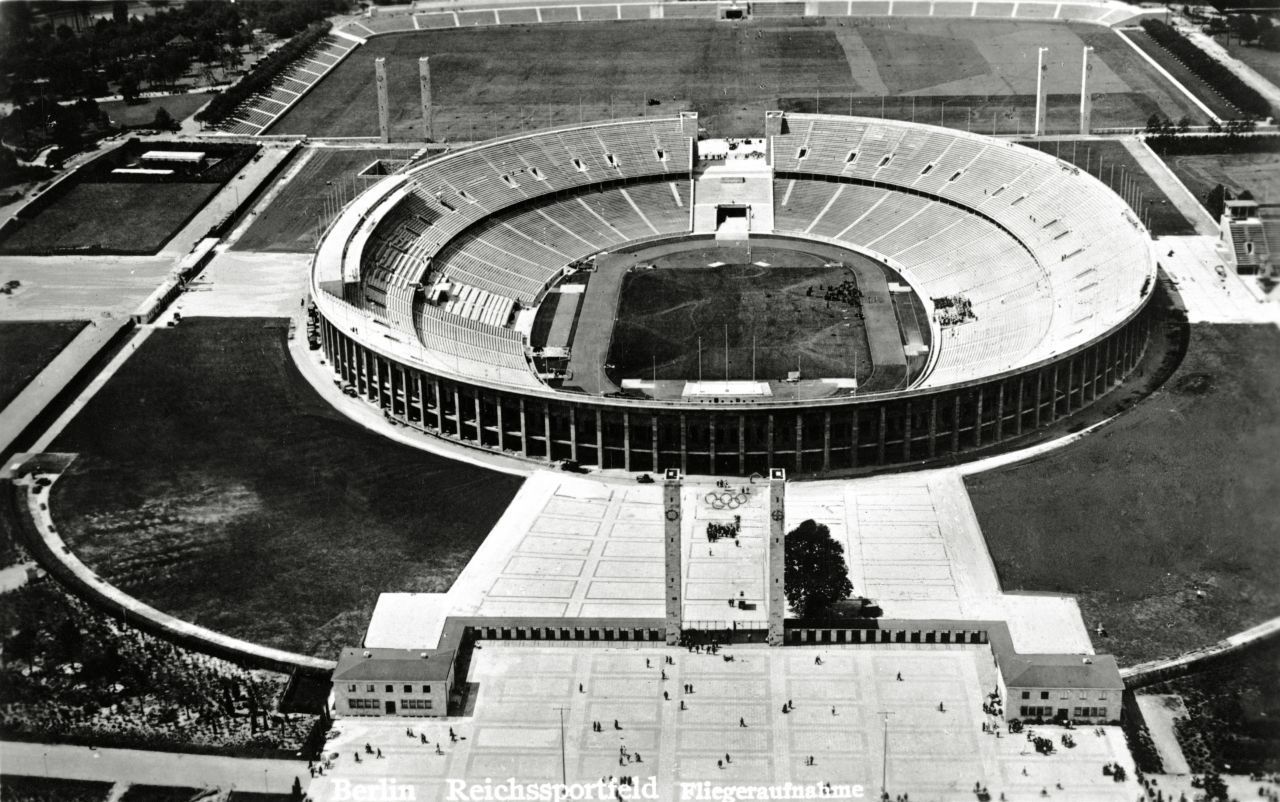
(262, 76)
(1212, 71)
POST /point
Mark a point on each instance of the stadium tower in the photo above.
(1042, 92)
(384, 112)
(1086, 101)
(424, 87)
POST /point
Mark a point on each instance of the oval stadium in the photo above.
(839, 293)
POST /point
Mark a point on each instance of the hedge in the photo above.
(1209, 69)
(263, 74)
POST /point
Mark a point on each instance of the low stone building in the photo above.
(392, 682)
(1083, 688)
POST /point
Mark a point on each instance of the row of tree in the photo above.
(263, 74)
(1208, 68)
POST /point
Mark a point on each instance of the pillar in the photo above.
(673, 548)
(777, 557)
(1042, 91)
(384, 108)
(424, 89)
(1086, 102)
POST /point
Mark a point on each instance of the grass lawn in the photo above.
(25, 349)
(498, 80)
(289, 223)
(18, 788)
(214, 484)
(1111, 162)
(1257, 172)
(664, 313)
(142, 113)
(1178, 494)
(1194, 83)
(123, 218)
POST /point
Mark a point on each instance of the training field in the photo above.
(1258, 173)
(213, 483)
(1178, 493)
(664, 313)
(133, 218)
(491, 81)
(305, 204)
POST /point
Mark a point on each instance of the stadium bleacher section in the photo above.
(1041, 251)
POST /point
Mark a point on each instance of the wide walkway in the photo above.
(152, 768)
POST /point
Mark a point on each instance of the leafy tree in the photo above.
(1216, 201)
(1270, 38)
(120, 12)
(129, 88)
(816, 574)
(164, 121)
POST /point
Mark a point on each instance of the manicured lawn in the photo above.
(498, 80)
(216, 485)
(26, 347)
(772, 317)
(1179, 494)
(110, 217)
(289, 224)
(144, 112)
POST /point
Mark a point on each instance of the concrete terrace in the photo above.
(522, 689)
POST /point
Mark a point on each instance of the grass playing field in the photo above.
(26, 348)
(1179, 493)
(1111, 162)
(491, 81)
(134, 115)
(290, 222)
(214, 484)
(119, 218)
(1258, 173)
(664, 314)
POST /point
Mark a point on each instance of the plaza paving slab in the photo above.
(246, 284)
(524, 689)
(1192, 263)
(575, 547)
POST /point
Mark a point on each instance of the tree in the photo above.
(816, 574)
(164, 121)
(129, 88)
(1216, 201)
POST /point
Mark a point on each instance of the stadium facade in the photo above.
(425, 284)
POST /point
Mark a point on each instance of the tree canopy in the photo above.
(816, 575)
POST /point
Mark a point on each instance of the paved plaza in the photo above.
(523, 689)
(578, 547)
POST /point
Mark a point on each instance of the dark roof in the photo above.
(1077, 671)
(394, 665)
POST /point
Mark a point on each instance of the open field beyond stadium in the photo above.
(1176, 495)
(214, 484)
(731, 74)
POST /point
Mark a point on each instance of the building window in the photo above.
(368, 688)
(415, 704)
(1065, 695)
(1044, 694)
(351, 688)
(1026, 694)
(1084, 695)
(390, 689)
(426, 689)
(363, 704)
(408, 689)
(1102, 697)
